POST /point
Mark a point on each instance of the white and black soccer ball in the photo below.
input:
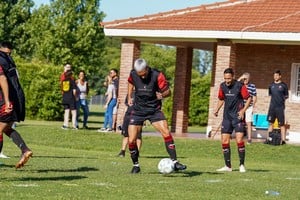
(165, 166)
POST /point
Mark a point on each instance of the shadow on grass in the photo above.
(64, 157)
(56, 178)
(80, 169)
(181, 174)
(154, 157)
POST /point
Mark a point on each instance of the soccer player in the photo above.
(232, 94)
(279, 92)
(150, 86)
(12, 102)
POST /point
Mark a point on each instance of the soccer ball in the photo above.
(165, 166)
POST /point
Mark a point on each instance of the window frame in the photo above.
(295, 78)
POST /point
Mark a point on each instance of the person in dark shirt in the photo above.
(69, 88)
(124, 130)
(232, 94)
(150, 87)
(12, 102)
(279, 92)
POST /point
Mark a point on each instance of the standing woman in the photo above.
(83, 89)
(110, 103)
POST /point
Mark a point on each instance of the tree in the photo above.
(13, 16)
(66, 32)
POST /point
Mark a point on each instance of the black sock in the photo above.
(227, 154)
(18, 140)
(134, 153)
(170, 146)
(1, 142)
(242, 152)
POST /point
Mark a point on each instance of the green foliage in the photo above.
(13, 17)
(41, 86)
(66, 32)
(199, 99)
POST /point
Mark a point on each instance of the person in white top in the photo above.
(83, 90)
(110, 103)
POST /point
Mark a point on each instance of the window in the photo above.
(295, 82)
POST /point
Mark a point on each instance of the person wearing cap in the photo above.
(150, 87)
(66, 68)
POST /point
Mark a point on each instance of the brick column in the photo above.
(130, 51)
(224, 57)
(181, 96)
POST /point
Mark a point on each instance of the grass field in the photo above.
(82, 164)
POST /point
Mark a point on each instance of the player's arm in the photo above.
(129, 94)
(5, 91)
(245, 94)
(163, 85)
(220, 101)
(219, 106)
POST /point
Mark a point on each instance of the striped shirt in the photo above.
(252, 91)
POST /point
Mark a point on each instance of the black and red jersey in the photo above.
(233, 96)
(145, 89)
(279, 92)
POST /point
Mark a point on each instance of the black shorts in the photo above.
(237, 125)
(139, 117)
(125, 125)
(276, 113)
(69, 105)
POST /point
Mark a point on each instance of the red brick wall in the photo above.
(130, 51)
(181, 94)
(260, 61)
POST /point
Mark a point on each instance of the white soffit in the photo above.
(190, 34)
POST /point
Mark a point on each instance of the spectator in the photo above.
(115, 79)
(69, 88)
(124, 131)
(110, 103)
(245, 79)
(83, 90)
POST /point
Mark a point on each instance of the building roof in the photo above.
(259, 20)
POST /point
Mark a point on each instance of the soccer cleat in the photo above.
(3, 156)
(64, 127)
(242, 169)
(25, 157)
(249, 141)
(178, 166)
(224, 169)
(283, 143)
(121, 154)
(135, 170)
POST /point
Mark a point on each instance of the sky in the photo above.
(121, 9)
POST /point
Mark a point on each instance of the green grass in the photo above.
(83, 165)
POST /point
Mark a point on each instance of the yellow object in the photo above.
(276, 125)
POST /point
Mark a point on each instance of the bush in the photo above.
(41, 87)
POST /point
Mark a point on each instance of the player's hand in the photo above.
(159, 95)
(8, 107)
(241, 115)
(216, 113)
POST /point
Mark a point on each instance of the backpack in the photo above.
(274, 138)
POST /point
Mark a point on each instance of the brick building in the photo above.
(257, 36)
